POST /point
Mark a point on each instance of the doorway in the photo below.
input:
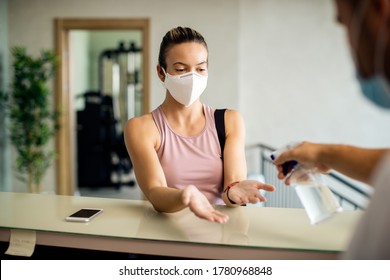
(131, 43)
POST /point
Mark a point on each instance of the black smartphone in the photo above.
(84, 215)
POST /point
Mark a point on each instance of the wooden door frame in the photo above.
(65, 144)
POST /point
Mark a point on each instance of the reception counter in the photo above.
(133, 226)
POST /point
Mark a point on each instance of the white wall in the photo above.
(284, 64)
(297, 77)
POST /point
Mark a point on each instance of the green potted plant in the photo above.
(32, 121)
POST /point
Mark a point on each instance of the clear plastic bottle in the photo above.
(314, 194)
(311, 188)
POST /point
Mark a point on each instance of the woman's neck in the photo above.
(185, 120)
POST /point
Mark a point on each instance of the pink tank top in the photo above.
(194, 160)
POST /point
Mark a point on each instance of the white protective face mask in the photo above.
(185, 88)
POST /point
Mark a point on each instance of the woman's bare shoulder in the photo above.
(233, 116)
(142, 125)
(233, 121)
(142, 131)
(141, 122)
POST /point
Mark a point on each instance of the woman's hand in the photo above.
(248, 191)
(200, 205)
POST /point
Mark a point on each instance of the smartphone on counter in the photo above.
(84, 215)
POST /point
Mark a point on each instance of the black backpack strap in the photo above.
(219, 116)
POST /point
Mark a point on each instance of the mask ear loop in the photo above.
(165, 73)
(165, 77)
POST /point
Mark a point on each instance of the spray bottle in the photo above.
(314, 194)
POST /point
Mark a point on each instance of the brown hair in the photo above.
(176, 36)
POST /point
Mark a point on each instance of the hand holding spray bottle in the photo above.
(314, 194)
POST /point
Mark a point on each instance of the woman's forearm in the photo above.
(165, 199)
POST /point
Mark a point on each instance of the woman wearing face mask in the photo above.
(175, 149)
